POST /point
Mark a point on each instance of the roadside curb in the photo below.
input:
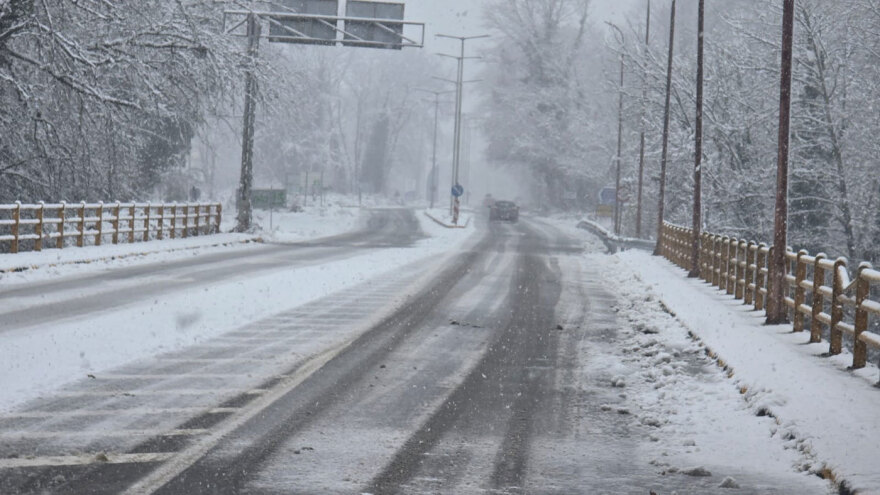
(448, 226)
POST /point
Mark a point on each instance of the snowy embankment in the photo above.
(827, 418)
(35, 361)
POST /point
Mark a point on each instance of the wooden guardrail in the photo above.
(820, 292)
(25, 227)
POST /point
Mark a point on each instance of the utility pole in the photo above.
(776, 312)
(617, 208)
(247, 143)
(459, 96)
(698, 149)
(433, 180)
(665, 130)
(642, 137)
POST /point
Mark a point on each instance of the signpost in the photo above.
(457, 193)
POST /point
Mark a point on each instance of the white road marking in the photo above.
(82, 460)
(151, 393)
(44, 435)
(116, 412)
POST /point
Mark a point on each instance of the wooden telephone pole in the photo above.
(698, 150)
(247, 141)
(776, 312)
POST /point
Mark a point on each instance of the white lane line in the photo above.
(46, 435)
(190, 456)
(151, 393)
(82, 460)
(84, 413)
(186, 458)
(210, 360)
(126, 376)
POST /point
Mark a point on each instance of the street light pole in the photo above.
(776, 312)
(433, 180)
(459, 97)
(617, 208)
(662, 199)
(644, 124)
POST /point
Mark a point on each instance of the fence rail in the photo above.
(820, 294)
(32, 227)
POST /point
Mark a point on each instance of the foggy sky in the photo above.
(464, 17)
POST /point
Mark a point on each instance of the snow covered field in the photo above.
(37, 360)
(769, 388)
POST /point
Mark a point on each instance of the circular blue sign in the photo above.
(457, 190)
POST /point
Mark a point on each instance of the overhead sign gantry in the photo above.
(352, 23)
(320, 22)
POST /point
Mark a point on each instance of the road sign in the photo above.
(458, 190)
(307, 30)
(371, 33)
(607, 196)
(269, 198)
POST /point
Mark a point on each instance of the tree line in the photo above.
(566, 124)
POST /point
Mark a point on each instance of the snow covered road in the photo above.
(503, 364)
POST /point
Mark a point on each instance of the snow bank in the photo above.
(829, 416)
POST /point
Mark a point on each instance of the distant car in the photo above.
(504, 211)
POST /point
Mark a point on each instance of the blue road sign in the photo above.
(458, 190)
(607, 196)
